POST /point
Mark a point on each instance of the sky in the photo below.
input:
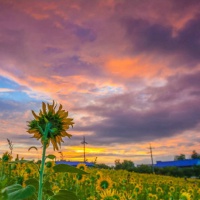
(128, 72)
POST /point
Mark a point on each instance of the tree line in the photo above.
(169, 171)
(194, 155)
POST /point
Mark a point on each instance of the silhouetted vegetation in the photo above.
(195, 155)
(180, 157)
(102, 166)
(126, 165)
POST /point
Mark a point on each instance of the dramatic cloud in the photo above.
(162, 113)
(158, 38)
(127, 71)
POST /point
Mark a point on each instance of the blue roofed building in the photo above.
(74, 163)
(178, 163)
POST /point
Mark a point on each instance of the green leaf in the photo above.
(51, 156)
(17, 192)
(47, 185)
(48, 192)
(64, 194)
(68, 168)
(32, 181)
(11, 188)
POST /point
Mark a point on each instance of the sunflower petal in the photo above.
(44, 108)
(50, 107)
(55, 146)
(64, 133)
(40, 114)
(36, 117)
(58, 140)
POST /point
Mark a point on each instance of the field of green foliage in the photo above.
(20, 180)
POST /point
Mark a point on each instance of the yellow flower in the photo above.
(57, 122)
(55, 188)
(159, 190)
(109, 194)
(104, 183)
(150, 195)
(190, 190)
(6, 157)
(185, 196)
(171, 189)
(155, 197)
(138, 189)
(99, 175)
(126, 195)
(82, 166)
(182, 190)
(198, 191)
(80, 178)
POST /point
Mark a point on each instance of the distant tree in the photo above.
(180, 157)
(118, 164)
(143, 169)
(195, 155)
(102, 166)
(125, 165)
(128, 165)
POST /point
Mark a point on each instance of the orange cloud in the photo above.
(129, 67)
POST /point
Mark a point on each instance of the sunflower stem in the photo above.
(41, 171)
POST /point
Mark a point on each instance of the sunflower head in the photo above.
(185, 196)
(80, 178)
(110, 194)
(138, 189)
(82, 166)
(6, 157)
(50, 125)
(104, 183)
(159, 190)
(99, 175)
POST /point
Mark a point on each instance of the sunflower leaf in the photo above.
(51, 156)
(32, 181)
(17, 192)
(64, 194)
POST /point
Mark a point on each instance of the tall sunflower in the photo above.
(50, 125)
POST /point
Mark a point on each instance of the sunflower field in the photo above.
(44, 180)
(21, 177)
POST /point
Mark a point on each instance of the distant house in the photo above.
(178, 163)
(75, 163)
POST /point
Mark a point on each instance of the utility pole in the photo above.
(84, 143)
(150, 148)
